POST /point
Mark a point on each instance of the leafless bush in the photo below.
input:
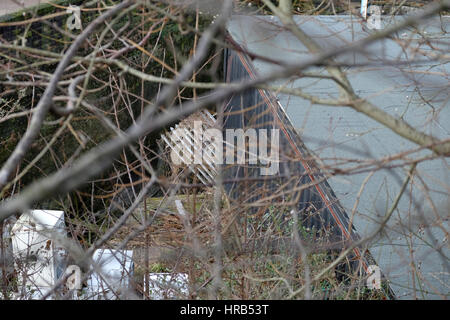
(82, 112)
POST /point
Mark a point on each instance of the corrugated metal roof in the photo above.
(418, 93)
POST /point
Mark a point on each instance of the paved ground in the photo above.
(9, 6)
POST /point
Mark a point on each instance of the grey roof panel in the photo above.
(416, 92)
